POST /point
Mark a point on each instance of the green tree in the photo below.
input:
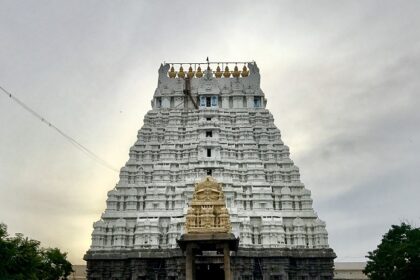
(55, 264)
(22, 258)
(398, 255)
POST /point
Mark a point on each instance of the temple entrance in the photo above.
(210, 272)
(199, 267)
(208, 229)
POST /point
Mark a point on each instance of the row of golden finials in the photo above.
(190, 74)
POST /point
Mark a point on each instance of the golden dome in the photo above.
(218, 73)
(181, 73)
(190, 73)
(172, 73)
(199, 74)
(236, 72)
(226, 74)
(245, 72)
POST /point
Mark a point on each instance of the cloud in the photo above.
(340, 78)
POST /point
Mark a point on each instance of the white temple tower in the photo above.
(209, 123)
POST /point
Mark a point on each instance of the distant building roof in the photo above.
(350, 265)
(349, 271)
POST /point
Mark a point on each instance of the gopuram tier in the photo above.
(210, 123)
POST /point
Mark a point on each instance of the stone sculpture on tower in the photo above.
(209, 159)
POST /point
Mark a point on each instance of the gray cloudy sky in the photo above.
(341, 78)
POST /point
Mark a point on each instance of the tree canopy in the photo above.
(22, 258)
(397, 257)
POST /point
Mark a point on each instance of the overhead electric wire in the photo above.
(72, 141)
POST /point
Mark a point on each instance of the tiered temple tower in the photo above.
(209, 123)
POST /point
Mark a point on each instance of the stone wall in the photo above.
(342, 271)
(246, 265)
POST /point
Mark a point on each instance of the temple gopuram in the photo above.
(209, 190)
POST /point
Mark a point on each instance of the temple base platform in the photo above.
(245, 264)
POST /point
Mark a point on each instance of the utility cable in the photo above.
(70, 139)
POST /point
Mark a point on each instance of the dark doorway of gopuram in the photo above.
(209, 272)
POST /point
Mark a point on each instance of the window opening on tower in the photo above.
(257, 101)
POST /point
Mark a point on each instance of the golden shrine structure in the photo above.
(208, 229)
(207, 212)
